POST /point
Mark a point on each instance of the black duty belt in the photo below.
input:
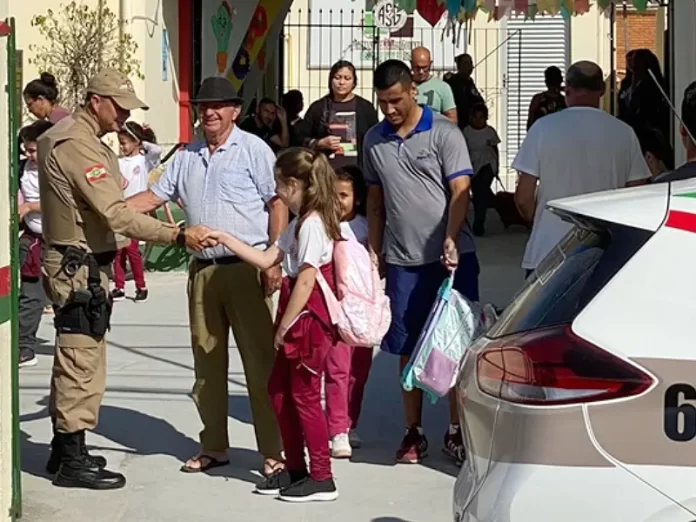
(227, 260)
(102, 258)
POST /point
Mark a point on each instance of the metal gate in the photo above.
(533, 46)
(313, 40)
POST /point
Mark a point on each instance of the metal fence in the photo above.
(313, 40)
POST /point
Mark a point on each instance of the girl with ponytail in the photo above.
(306, 183)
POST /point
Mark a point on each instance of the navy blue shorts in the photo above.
(413, 290)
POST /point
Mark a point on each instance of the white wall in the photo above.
(589, 39)
(684, 49)
(146, 21)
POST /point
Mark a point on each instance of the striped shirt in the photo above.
(228, 190)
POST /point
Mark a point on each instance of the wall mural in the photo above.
(234, 39)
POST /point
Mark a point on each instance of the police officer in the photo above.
(83, 208)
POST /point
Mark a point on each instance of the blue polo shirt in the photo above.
(414, 173)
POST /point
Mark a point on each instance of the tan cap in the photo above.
(115, 85)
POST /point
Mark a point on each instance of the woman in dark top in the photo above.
(641, 104)
(337, 123)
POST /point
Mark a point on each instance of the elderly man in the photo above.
(432, 91)
(226, 182)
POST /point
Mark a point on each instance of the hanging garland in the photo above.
(464, 10)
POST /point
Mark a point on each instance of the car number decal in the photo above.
(680, 414)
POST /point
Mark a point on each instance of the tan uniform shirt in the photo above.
(81, 191)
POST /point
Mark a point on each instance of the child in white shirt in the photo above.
(304, 331)
(32, 298)
(483, 141)
(347, 367)
(139, 155)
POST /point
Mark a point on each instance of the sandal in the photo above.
(212, 463)
(270, 469)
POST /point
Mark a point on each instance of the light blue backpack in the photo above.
(452, 326)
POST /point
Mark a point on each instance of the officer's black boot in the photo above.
(78, 471)
(54, 460)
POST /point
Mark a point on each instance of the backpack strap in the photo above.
(332, 304)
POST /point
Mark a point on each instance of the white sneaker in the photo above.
(340, 447)
(354, 439)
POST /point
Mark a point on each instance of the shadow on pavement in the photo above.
(140, 435)
(389, 519)
(382, 420)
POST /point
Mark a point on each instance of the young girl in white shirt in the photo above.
(304, 332)
(347, 368)
(139, 155)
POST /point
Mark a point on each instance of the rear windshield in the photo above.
(570, 276)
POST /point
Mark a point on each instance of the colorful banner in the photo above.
(259, 26)
(497, 9)
(264, 58)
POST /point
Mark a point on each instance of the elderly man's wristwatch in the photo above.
(181, 237)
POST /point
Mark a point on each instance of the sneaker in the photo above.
(141, 295)
(340, 447)
(117, 294)
(414, 446)
(310, 490)
(279, 479)
(354, 439)
(27, 358)
(454, 444)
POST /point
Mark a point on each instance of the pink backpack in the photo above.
(360, 309)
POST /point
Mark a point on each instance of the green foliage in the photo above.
(79, 41)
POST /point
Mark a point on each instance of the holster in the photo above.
(86, 311)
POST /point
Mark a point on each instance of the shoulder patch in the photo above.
(96, 173)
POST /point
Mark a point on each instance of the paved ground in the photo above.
(149, 426)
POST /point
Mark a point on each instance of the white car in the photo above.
(579, 404)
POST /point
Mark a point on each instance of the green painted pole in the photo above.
(13, 131)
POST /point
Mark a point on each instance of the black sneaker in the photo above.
(140, 295)
(117, 294)
(310, 490)
(27, 358)
(279, 479)
(454, 444)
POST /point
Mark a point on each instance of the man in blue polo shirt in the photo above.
(418, 169)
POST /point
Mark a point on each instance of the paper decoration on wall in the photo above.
(431, 10)
(221, 22)
(496, 9)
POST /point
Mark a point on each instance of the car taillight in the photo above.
(554, 366)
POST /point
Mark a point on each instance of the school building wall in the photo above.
(154, 26)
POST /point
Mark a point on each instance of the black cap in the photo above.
(216, 89)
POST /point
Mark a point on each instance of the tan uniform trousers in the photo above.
(223, 297)
(78, 379)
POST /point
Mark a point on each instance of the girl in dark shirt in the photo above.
(337, 123)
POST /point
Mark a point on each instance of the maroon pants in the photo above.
(296, 396)
(347, 369)
(130, 254)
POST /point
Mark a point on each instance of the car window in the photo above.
(570, 276)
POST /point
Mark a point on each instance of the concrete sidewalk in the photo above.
(149, 425)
